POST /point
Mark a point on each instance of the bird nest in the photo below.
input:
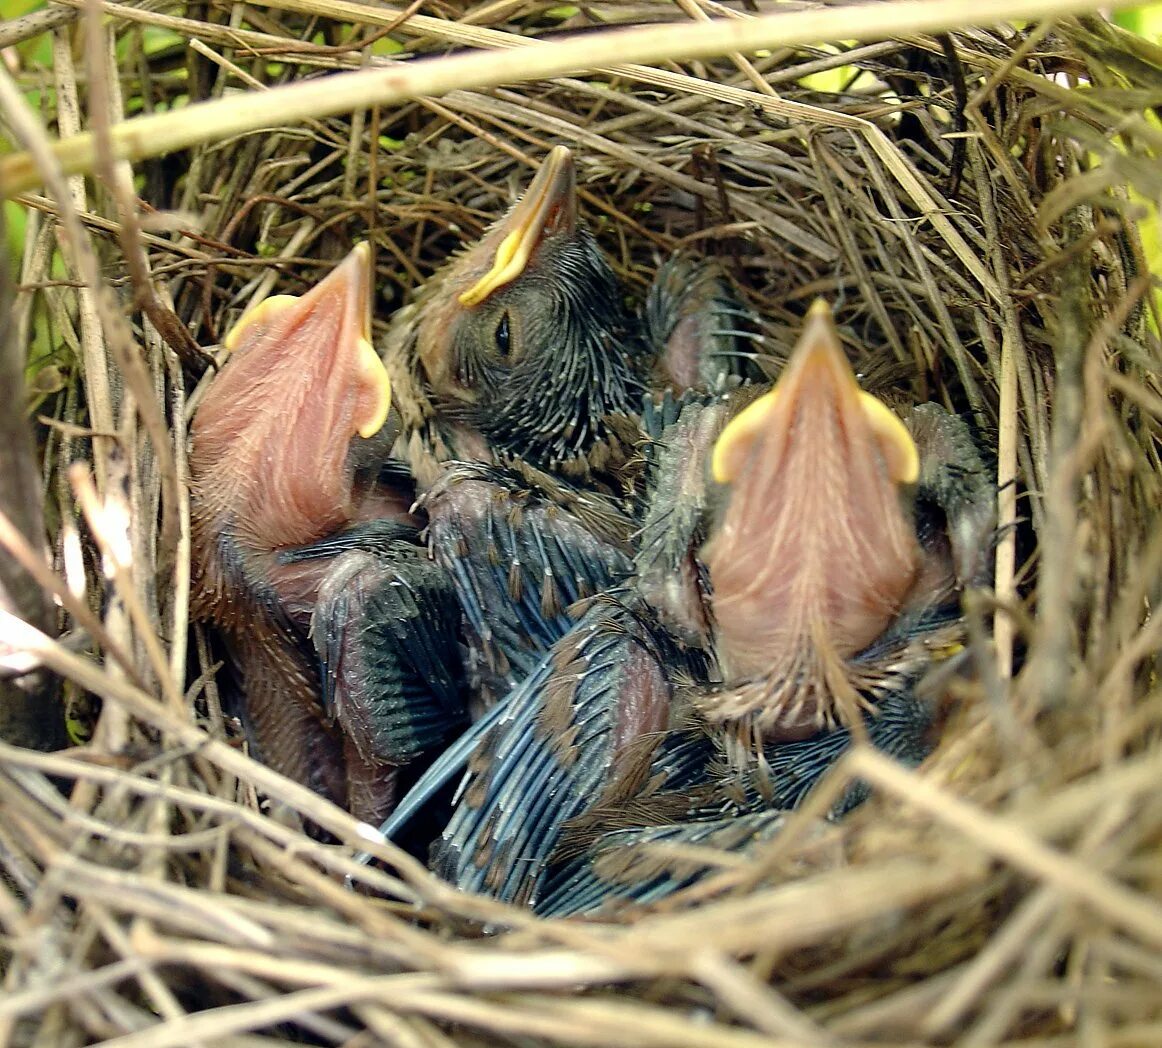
(973, 205)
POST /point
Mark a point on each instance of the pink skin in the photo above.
(270, 440)
(269, 466)
(815, 554)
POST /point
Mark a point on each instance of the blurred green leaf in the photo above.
(16, 8)
(386, 45)
(37, 52)
(16, 220)
(1145, 21)
(830, 81)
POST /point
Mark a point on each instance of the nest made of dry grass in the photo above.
(1008, 893)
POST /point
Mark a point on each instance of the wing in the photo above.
(901, 725)
(644, 865)
(386, 629)
(520, 548)
(698, 327)
(447, 766)
(553, 752)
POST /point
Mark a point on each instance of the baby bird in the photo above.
(295, 551)
(798, 570)
(815, 550)
(521, 348)
(516, 374)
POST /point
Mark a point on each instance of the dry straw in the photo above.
(1005, 894)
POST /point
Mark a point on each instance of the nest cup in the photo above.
(973, 205)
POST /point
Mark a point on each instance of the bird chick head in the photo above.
(524, 337)
(271, 437)
(815, 551)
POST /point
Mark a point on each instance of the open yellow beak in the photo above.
(333, 317)
(818, 363)
(815, 551)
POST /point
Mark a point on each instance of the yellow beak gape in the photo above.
(819, 339)
(511, 258)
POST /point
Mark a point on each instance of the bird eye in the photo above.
(503, 336)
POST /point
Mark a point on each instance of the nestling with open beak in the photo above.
(796, 573)
(815, 552)
(295, 551)
(872, 629)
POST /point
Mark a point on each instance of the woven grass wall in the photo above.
(972, 204)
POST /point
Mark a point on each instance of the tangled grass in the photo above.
(972, 204)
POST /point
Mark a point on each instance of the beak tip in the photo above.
(357, 265)
(360, 258)
(547, 207)
(359, 278)
(819, 327)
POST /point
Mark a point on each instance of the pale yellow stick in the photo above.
(160, 133)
